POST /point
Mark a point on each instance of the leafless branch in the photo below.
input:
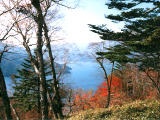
(3, 51)
(61, 71)
(4, 36)
(153, 81)
(63, 5)
(7, 11)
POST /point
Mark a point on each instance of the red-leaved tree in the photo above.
(89, 100)
(99, 99)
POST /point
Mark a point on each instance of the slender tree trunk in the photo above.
(108, 82)
(43, 85)
(15, 112)
(4, 95)
(156, 84)
(55, 86)
(108, 91)
(38, 97)
(109, 85)
(52, 105)
(108, 98)
(56, 102)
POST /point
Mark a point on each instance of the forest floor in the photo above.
(137, 110)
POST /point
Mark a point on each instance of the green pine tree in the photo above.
(27, 87)
(140, 37)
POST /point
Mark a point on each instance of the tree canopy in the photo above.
(139, 40)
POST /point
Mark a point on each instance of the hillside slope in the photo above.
(138, 110)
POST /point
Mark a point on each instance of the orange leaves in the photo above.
(88, 100)
(131, 85)
(82, 100)
(100, 96)
(116, 86)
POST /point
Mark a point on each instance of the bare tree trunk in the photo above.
(15, 112)
(156, 84)
(43, 85)
(38, 98)
(38, 70)
(55, 86)
(109, 87)
(109, 82)
(4, 95)
(52, 105)
(108, 98)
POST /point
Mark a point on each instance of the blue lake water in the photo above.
(85, 75)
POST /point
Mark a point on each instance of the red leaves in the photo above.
(116, 86)
(120, 90)
(100, 96)
(82, 100)
(87, 100)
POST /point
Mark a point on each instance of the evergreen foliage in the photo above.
(27, 87)
(139, 40)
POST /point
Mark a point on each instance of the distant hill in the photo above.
(11, 62)
(10, 67)
(137, 110)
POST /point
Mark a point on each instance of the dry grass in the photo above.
(138, 110)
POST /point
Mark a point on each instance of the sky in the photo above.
(75, 22)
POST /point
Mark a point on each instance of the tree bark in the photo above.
(56, 98)
(43, 85)
(156, 84)
(15, 112)
(109, 82)
(109, 85)
(38, 97)
(4, 95)
(108, 98)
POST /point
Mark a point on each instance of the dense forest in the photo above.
(130, 67)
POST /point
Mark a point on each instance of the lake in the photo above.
(84, 74)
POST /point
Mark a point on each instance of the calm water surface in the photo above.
(85, 75)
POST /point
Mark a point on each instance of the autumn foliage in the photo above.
(89, 100)
(99, 99)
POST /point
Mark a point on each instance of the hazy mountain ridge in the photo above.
(12, 61)
(11, 67)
